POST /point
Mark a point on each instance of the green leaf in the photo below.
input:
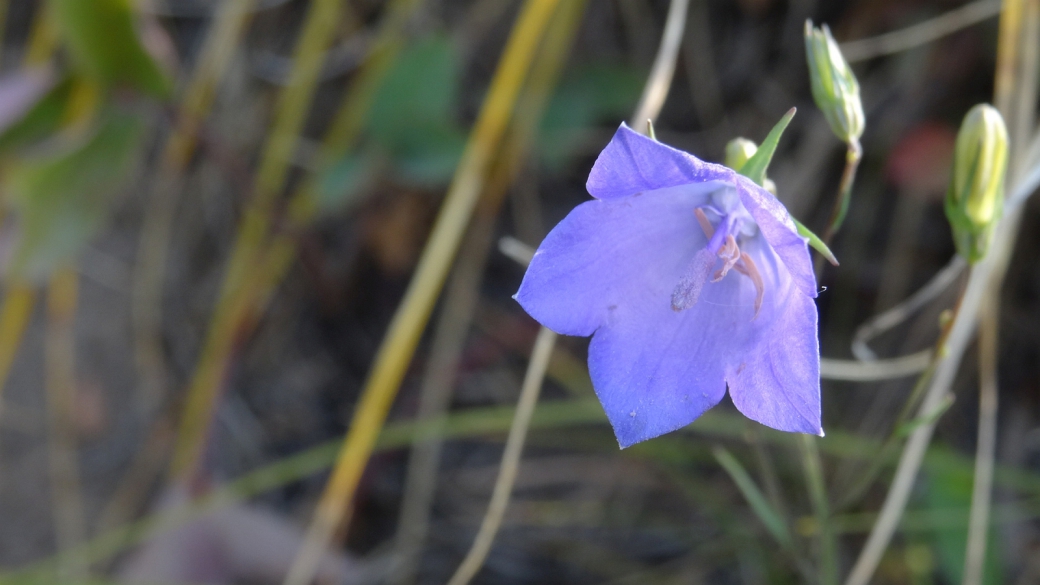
(340, 187)
(42, 120)
(63, 198)
(419, 92)
(947, 496)
(755, 167)
(815, 241)
(583, 98)
(412, 120)
(103, 42)
(759, 504)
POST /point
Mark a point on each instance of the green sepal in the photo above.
(814, 241)
(755, 167)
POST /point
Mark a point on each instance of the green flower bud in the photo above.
(975, 197)
(834, 86)
(738, 151)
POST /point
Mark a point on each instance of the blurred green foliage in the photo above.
(948, 497)
(414, 133)
(63, 197)
(102, 41)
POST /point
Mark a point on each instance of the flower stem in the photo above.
(984, 282)
(200, 406)
(841, 206)
(853, 494)
(532, 386)
(69, 528)
(978, 524)
(828, 544)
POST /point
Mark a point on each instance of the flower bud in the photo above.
(834, 86)
(975, 197)
(738, 151)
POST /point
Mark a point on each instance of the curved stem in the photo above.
(920, 33)
(901, 312)
(660, 81)
(841, 205)
(532, 386)
(978, 523)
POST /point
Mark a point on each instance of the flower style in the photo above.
(689, 277)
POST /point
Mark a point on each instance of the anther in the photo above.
(730, 254)
(706, 226)
(752, 272)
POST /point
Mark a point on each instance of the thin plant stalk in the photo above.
(462, 292)
(153, 251)
(20, 296)
(204, 389)
(985, 280)
(217, 50)
(69, 527)
(853, 156)
(656, 90)
(921, 33)
(543, 347)
(982, 491)
(827, 540)
(323, 18)
(410, 319)
(17, 308)
(877, 463)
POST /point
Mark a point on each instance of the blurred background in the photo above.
(212, 209)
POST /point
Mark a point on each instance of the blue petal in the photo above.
(632, 163)
(609, 255)
(777, 383)
(610, 269)
(776, 225)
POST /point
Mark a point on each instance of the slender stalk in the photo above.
(985, 279)
(656, 90)
(543, 347)
(853, 155)
(888, 449)
(978, 524)
(60, 349)
(827, 542)
(323, 18)
(153, 249)
(240, 303)
(19, 300)
(203, 392)
(462, 291)
(901, 312)
(921, 33)
(411, 317)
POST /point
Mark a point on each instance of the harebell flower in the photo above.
(690, 278)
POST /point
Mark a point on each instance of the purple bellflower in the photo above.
(690, 278)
